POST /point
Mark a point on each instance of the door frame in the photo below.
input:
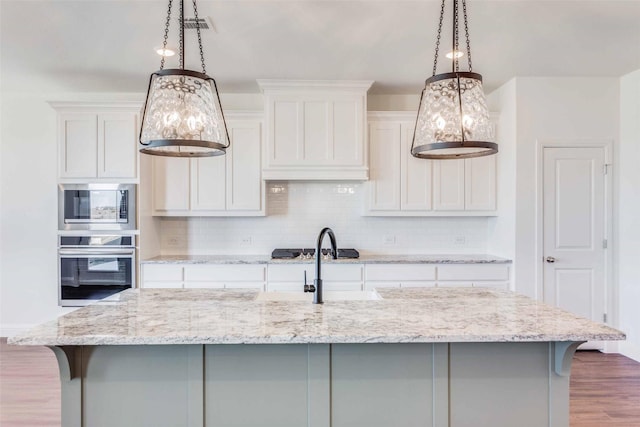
(611, 289)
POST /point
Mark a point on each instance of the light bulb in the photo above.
(467, 121)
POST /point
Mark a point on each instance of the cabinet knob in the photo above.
(551, 259)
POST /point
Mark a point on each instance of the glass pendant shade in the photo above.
(183, 116)
(453, 119)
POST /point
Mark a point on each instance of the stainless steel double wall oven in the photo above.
(96, 246)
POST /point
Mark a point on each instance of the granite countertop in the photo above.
(225, 316)
(364, 259)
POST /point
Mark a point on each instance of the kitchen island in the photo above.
(416, 357)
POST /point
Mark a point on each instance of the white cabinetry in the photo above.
(476, 275)
(315, 130)
(97, 142)
(402, 185)
(440, 275)
(399, 276)
(335, 277)
(229, 185)
(210, 276)
(465, 185)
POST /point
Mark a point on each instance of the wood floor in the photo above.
(605, 389)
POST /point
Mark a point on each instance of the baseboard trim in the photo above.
(630, 350)
(10, 329)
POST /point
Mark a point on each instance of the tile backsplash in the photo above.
(297, 211)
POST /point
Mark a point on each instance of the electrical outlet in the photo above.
(246, 241)
(460, 240)
(389, 240)
(173, 241)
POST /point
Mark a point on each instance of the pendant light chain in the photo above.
(166, 35)
(195, 13)
(435, 62)
(456, 13)
(182, 34)
(466, 31)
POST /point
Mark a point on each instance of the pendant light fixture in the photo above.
(453, 119)
(182, 113)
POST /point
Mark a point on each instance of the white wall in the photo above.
(297, 211)
(28, 292)
(627, 245)
(553, 109)
(502, 229)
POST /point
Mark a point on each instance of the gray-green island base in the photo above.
(424, 357)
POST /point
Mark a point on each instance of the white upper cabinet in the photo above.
(97, 142)
(402, 185)
(229, 185)
(315, 130)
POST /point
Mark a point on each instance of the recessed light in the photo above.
(455, 54)
(165, 51)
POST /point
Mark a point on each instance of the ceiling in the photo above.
(107, 45)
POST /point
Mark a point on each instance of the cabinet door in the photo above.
(170, 184)
(415, 179)
(480, 183)
(384, 166)
(78, 145)
(208, 183)
(448, 182)
(244, 177)
(318, 130)
(117, 147)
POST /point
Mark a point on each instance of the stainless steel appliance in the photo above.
(310, 253)
(97, 206)
(93, 267)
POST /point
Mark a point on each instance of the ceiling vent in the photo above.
(205, 24)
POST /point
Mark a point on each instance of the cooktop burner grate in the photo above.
(296, 253)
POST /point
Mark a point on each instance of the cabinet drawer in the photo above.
(224, 273)
(473, 272)
(400, 272)
(341, 272)
(161, 273)
(290, 273)
(330, 272)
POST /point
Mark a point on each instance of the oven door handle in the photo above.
(93, 252)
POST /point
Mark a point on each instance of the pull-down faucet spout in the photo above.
(317, 297)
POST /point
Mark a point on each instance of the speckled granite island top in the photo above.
(224, 316)
(364, 259)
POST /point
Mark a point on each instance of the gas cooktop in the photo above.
(310, 253)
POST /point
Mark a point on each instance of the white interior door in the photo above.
(574, 230)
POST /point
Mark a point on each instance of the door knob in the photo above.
(551, 259)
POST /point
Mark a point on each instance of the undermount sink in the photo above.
(328, 296)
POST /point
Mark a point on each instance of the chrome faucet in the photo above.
(317, 283)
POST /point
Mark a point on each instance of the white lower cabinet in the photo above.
(201, 276)
(335, 277)
(399, 276)
(429, 275)
(495, 276)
